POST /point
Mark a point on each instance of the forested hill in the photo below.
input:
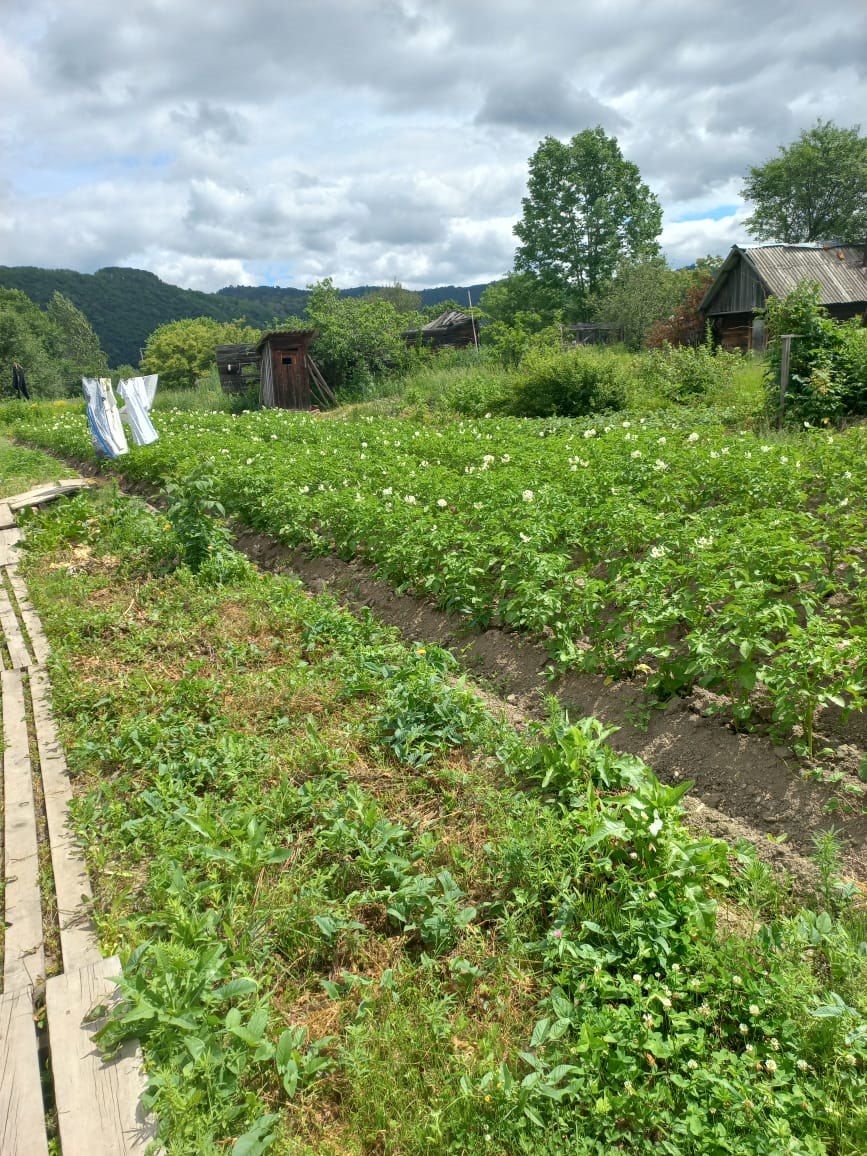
(125, 306)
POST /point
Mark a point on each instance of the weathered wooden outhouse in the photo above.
(748, 277)
(288, 376)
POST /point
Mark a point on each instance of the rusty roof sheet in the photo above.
(839, 270)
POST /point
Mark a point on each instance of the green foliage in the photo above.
(195, 517)
(685, 373)
(569, 383)
(183, 351)
(516, 941)
(75, 345)
(815, 190)
(358, 339)
(639, 294)
(55, 345)
(404, 300)
(521, 295)
(828, 361)
(586, 209)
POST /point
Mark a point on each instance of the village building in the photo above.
(749, 276)
(452, 330)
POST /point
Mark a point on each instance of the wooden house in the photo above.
(749, 276)
(452, 329)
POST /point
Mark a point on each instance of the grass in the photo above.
(358, 914)
(22, 468)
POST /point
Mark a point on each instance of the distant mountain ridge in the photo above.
(125, 306)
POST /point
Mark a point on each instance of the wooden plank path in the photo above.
(97, 1103)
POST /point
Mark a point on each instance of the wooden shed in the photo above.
(288, 376)
(749, 276)
(238, 367)
(452, 329)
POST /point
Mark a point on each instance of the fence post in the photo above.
(785, 362)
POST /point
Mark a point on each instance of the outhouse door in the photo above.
(291, 384)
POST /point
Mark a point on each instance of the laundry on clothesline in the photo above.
(106, 428)
(138, 393)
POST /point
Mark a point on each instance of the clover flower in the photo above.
(754, 1009)
(442, 503)
(660, 465)
(771, 1066)
(657, 551)
(528, 495)
(693, 437)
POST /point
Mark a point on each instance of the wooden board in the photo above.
(38, 641)
(6, 518)
(99, 1109)
(24, 957)
(8, 546)
(22, 1117)
(39, 495)
(11, 631)
(78, 942)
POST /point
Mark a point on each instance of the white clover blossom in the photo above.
(771, 1066)
(692, 1065)
(693, 437)
(657, 551)
(754, 1009)
(703, 543)
(442, 503)
(660, 465)
(590, 433)
(528, 495)
(802, 1065)
(661, 441)
(635, 454)
(387, 492)
(410, 499)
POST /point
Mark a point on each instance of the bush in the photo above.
(683, 373)
(568, 384)
(828, 367)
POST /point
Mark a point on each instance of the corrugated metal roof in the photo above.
(839, 270)
(446, 321)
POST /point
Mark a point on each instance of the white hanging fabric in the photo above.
(106, 428)
(139, 393)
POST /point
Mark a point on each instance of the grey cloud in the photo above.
(541, 105)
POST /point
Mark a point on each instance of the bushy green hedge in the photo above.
(572, 383)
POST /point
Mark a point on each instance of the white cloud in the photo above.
(384, 140)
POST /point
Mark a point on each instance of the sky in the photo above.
(221, 142)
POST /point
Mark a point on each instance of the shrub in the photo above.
(568, 384)
(828, 367)
(683, 373)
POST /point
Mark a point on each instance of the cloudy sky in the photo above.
(221, 142)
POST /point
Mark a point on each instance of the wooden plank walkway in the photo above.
(98, 1104)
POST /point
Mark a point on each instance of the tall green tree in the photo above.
(815, 190)
(74, 342)
(639, 294)
(586, 209)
